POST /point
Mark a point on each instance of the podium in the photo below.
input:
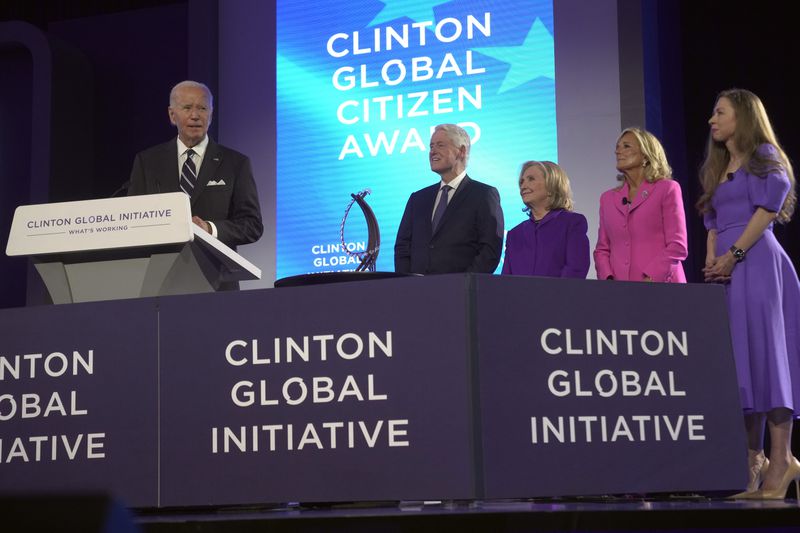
(126, 247)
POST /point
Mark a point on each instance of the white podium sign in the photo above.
(101, 224)
(126, 247)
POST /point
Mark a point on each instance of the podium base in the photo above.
(335, 277)
(72, 278)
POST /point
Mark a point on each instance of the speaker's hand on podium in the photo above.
(202, 223)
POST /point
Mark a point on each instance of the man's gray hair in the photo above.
(187, 84)
(458, 135)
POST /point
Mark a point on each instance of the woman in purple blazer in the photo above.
(642, 233)
(553, 241)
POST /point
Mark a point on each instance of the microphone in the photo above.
(730, 176)
(121, 188)
(625, 200)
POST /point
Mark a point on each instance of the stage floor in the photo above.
(585, 514)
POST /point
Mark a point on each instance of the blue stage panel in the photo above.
(596, 387)
(353, 391)
(79, 399)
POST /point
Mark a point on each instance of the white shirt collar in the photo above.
(199, 149)
(455, 182)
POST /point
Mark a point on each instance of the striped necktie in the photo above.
(188, 173)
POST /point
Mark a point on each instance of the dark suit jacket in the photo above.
(233, 207)
(469, 237)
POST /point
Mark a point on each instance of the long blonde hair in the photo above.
(753, 129)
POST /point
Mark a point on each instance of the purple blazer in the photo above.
(645, 238)
(556, 246)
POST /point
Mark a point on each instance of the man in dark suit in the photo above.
(218, 180)
(455, 225)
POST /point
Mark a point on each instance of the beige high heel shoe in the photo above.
(792, 474)
(758, 470)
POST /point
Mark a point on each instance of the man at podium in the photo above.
(218, 180)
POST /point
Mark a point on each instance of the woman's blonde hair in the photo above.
(656, 166)
(753, 129)
(556, 183)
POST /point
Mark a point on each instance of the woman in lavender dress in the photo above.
(748, 184)
(553, 241)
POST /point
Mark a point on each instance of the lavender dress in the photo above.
(763, 295)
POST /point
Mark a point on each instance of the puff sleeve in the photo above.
(769, 191)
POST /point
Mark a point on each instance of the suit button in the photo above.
(431, 246)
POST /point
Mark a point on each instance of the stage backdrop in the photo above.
(358, 88)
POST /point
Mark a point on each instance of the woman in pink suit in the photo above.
(642, 233)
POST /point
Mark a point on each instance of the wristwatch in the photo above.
(738, 253)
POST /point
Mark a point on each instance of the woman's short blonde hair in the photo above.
(656, 166)
(556, 183)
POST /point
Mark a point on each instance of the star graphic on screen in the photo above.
(395, 9)
(533, 58)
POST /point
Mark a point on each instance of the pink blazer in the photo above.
(645, 238)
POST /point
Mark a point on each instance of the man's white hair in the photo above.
(458, 135)
(187, 84)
